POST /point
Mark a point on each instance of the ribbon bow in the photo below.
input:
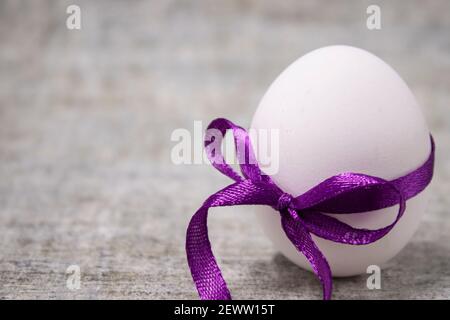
(300, 216)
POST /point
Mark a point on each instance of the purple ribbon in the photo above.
(301, 216)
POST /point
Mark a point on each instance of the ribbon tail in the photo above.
(302, 240)
(204, 269)
(205, 272)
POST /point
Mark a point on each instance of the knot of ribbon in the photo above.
(343, 193)
(284, 201)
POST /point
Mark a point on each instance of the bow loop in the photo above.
(214, 136)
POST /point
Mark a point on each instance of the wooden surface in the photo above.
(85, 121)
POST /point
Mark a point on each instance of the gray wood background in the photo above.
(85, 124)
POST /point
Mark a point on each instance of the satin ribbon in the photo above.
(300, 216)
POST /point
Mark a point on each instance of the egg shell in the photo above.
(342, 109)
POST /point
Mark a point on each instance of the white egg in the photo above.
(342, 109)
